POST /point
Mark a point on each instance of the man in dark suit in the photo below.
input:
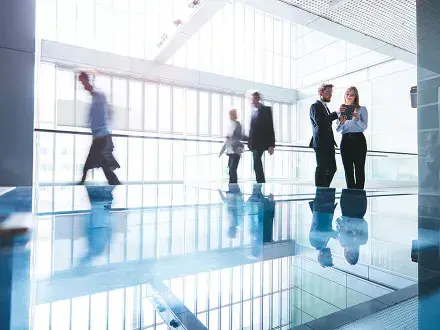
(323, 141)
(261, 134)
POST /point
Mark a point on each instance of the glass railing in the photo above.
(171, 159)
(298, 163)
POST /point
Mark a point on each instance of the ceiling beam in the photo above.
(315, 22)
(75, 57)
(206, 10)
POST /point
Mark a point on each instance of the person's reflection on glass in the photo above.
(432, 161)
(235, 203)
(352, 228)
(99, 225)
(323, 209)
(261, 214)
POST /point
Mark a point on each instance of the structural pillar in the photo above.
(17, 65)
(428, 44)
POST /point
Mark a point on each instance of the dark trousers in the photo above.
(325, 166)
(234, 159)
(109, 174)
(354, 153)
(258, 166)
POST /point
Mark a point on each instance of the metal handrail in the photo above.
(45, 130)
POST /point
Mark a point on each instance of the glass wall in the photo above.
(239, 42)
(125, 27)
(178, 121)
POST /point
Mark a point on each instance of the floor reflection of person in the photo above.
(432, 161)
(321, 231)
(233, 146)
(99, 225)
(101, 150)
(351, 227)
(235, 204)
(261, 210)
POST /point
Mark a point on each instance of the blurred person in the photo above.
(235, 204)
(233, 146)
(323, 141)
(321, 230)
(261, 134)
(261, 212)
(352, 123)
(101, 150)
(99, 226)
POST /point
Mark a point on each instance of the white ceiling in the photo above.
(391, 21)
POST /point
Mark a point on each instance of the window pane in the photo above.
(46, 93)
(121, 36)
(137, 38)
(286, 72)
(119, 102)
(64, 158)
(278, 36)
(135, 105)
(86, 23)
(165, 108)
(276, 120)
(165, 149)
(285, 123)
(215, 115)
(277, 70)
(150, 107)
(151, 159)
(104, 28)
(228, 37)
(66, 25)
(135, 164)
(178, 110)
(268, 67)
(191, 111)
(217, 46)
(46, 19)
(203, 113)
(120, 4)
(239, 41)
(65, 98)
(268, 32)
(178, 154)
(286, 38)
(45, 156)
(120, 152)
(227, 105)
(205, 51)
(193, 52)
(259, 47)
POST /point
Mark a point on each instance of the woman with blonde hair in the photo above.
(352, 123)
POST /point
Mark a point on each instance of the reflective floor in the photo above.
(196, 257)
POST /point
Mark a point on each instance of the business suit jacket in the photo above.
(322, 126)
(261, 133)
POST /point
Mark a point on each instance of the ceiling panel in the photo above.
(392, 21)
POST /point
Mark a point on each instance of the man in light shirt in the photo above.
(101, 150)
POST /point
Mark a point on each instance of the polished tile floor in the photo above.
(271, 256)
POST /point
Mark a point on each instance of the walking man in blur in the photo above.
(323, 141)
(261, 134)
(101, 151)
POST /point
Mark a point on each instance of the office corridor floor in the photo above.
(212, 256)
